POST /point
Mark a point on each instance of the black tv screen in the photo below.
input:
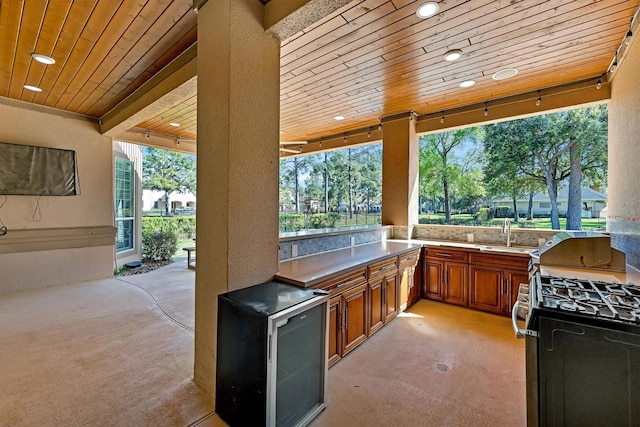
(38, 171)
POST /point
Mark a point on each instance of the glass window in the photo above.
(125, 204)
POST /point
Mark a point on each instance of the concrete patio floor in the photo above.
(119, 352)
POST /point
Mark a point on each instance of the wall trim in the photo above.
(44, 239)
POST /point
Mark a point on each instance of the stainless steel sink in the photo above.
(504, 249)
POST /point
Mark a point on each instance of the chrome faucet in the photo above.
(506, 228)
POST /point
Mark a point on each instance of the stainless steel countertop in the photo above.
(310, 270)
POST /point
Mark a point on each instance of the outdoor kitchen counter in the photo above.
(520, 251)
(307, 271)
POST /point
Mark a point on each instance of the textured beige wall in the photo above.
(238, 116)
(21, 123)
(624, 139)
(623, 216)
(400, 173)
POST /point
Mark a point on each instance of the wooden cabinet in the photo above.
(408, 287)
(383, 293)
(494, 281)
(415, 291)
(445, 275)
(362, 301)
(347, 313)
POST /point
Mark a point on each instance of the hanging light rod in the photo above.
(293, 142)
(289, 150)
(624, 44)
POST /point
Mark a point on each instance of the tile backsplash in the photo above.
(307, 245)
(482, 235)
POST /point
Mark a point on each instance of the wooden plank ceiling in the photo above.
(369, 59)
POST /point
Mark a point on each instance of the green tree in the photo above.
(441, 163)
(291, 170)
(168, 171)
(549, 148)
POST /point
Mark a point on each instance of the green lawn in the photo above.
(183, 243)
(536, 223)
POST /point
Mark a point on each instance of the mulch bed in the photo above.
(144, 268)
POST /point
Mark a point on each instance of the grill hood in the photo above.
(582, 249)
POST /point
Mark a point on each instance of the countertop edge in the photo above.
(333, 274)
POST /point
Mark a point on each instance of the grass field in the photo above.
(536, 223)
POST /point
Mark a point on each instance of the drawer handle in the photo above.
(444, 255)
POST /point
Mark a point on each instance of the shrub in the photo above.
(484, 214)
(291, 222)
(322, 220)
(183, 226)
(159, 245)
(502, 211)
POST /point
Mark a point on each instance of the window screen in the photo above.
(125, 204)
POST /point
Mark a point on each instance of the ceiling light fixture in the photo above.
(427, 10)
(43, 59)
(598, 84)
(345, 138)
(442, 118)
(339, 117)
(627, 39)
(174, 124)
(148, 134)
(614, 66)
(467, 83)
(486, 109)
(369, 133)
(539, 100)
(507, 73)
(452, 55)
(33, 88)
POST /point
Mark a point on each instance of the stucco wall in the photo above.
(623, 219)
(21, 123)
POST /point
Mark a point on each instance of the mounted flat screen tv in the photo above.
(37, 171)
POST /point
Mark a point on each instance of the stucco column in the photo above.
(238, 122)
(400, 173)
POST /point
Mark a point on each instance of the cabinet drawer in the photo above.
(409, 259)
(344, 282)
(502, 261)
(446, 255)
(387, 266)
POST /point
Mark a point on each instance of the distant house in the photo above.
(592, 203)
(178, 202)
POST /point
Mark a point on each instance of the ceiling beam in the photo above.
(156, 140)
(573, 95)
(284, 18)
(174, 83)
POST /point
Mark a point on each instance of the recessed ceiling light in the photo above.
(467, 83)
(174, 124)
(33, 88)
(339, 117)
(452, 55)
(505, 74)
(44, 59)
(427, 10)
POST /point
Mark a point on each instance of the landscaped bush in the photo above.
(292, 222)
(158, 245)
(484, 215)
(503, 211)
(183, 226)
(322, 220)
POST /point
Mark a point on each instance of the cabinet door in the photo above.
(433, 272)
(391, 297)
(354, 317)
(514, 278)
(335, 330)
(376, 308)
(486, 289)
(415, 278)
(455, 283)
